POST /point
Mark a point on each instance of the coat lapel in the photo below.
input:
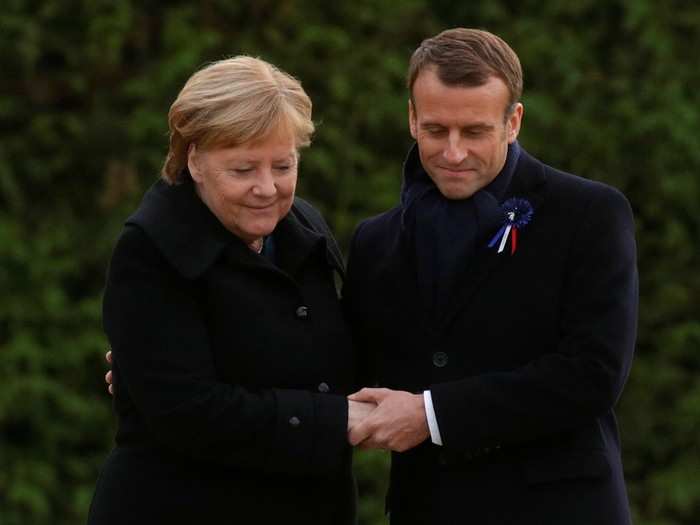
(295, 243)
(528, 183)
(185, 231)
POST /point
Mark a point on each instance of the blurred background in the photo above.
(612, 93)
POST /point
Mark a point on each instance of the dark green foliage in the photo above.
(612, 92)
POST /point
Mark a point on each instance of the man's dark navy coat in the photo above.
(524, 366)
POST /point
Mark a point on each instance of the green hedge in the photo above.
(612, 92)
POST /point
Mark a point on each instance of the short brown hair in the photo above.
(468, 57)
(231, 102)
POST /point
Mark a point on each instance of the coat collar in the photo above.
(294, 244)
(191, 238)
(528, 182)
(185, 231)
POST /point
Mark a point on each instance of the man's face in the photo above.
(462, 132)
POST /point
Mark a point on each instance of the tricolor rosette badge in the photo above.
(517, 213)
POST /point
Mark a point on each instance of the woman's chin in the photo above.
(257, 230)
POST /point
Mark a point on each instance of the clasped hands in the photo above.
(377, 417)
(386, 419)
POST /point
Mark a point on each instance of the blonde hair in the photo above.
(231, 102)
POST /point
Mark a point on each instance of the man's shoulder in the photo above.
(574, 192)
(380, 225)
(373, 236)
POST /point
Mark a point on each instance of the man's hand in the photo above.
(398, 423)
(358, 411)
(108, 375)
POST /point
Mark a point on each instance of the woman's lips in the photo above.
(261, 209)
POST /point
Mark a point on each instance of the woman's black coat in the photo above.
(230, 374)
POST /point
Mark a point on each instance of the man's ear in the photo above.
(412, 124)
(514, 121)
(193, 163)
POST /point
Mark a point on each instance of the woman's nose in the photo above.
(265, 184)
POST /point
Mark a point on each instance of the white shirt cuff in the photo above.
(432, 420)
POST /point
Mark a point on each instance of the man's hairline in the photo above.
(509, 109)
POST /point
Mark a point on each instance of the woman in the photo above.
(231, 358)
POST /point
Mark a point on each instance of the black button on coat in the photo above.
(216, 378)
(440, 359)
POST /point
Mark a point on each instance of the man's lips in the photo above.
(456, 171)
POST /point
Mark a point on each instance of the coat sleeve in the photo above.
(582, 377)
(164, 368)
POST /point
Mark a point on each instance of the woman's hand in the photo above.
(108, 375)
(357, 411)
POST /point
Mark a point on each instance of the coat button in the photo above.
(323, 388)
(294, 421)
(302, 312)
(439, 359)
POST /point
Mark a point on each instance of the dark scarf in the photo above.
(444, 232)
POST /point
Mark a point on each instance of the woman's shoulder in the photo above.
(310, 216)
(173, 224)
(134, 248)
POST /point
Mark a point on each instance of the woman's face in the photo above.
(249, 188)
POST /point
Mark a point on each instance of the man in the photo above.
(497, 304)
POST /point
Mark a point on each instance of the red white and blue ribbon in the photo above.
(517, 213)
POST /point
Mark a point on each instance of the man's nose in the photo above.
(455, 151)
